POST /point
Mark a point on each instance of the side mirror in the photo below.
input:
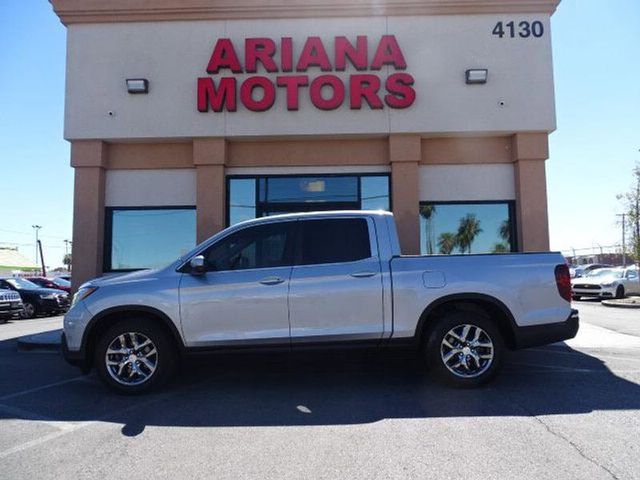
(197, 265)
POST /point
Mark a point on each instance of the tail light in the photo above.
(563, 281)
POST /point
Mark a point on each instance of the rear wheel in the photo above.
(620, 291)
(135, 356)
(465, 349)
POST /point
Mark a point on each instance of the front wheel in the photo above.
(465, 349)
(620, 291)
(135, 356)
(29, 310)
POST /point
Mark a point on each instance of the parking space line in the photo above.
(43, 387)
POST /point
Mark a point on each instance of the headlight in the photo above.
(608, 284)
(48, 296)
(82, 294)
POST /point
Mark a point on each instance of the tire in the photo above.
(437, 350)
(136, 331)
(620, 291)
(30, 310)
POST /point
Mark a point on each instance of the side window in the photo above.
(632, 274)
(334, 241)
(262, 246)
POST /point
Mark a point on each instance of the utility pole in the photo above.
(624, 243)
(36, 228)
(66, 247)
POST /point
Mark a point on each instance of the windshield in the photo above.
(605, 272)
(61, 282)
(21, 283)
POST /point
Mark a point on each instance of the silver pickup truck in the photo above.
(320, 279)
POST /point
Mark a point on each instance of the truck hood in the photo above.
(137, 276)
(593, 281)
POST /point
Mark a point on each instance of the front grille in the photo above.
(9, 297)
(586, 286)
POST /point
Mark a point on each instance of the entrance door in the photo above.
(336, 285)
(243, 295)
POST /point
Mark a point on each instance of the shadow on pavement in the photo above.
(332, 388)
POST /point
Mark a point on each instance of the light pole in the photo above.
(66, 247)
(36, 228)
(624, 243)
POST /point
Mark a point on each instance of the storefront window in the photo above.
(251, 197)
(460, 227)
(137, 238)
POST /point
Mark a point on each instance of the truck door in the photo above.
(242, 298)
(335, 292)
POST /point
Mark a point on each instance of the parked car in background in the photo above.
(607, 283)
(10, 305)
(581, 270)
(56, 283)
(37, 300)
(65, 276)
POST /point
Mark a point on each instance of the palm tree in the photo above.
(447, 242)
(468, 229)
(427, 211)
(505, 231)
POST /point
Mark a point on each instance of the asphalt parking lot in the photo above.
(565, 411)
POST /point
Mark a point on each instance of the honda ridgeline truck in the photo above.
(319, 279)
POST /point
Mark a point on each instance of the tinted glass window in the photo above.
(466, 228)
(148, 238)
(334, 240)
(310, 189)
(375, 193)
(242, 200)
(263, 246)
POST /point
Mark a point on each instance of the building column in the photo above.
(530, 150)
(89, 159)
(209, 156)
(405, 154)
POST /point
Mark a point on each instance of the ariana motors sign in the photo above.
(311, 73)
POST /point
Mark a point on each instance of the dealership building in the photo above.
(185, 117)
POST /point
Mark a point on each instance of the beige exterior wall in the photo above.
(422, 169)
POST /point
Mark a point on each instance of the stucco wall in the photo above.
(437, 49)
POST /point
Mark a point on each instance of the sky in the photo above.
(596, 50)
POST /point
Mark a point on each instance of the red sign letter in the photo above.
(388, 53)
(268, 97)
(292, 82)
(313, 55)
(224, 56)
(364, 86)
(315, 92)
(401, 94)
(224, 95)
(357, 56)
(259, 49)
(286, 54)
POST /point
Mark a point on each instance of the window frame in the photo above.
(257, 178)
(511, 208)
(108, 233)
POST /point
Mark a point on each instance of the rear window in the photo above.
(335, 240)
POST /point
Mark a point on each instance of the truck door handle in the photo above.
(363, 274)
(271, 280)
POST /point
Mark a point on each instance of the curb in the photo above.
(47, 341)
(618, 304)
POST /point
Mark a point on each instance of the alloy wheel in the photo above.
(131, 358)
(467, 351)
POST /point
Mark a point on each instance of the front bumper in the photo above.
(13, 309)
(602, 292)
(546, 334)
(76, 358)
